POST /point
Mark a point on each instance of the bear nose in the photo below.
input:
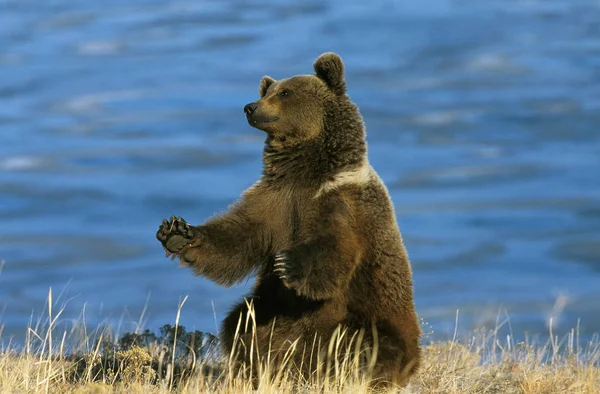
(249, 108)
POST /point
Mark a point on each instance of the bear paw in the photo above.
(287, 272)
(175, 234)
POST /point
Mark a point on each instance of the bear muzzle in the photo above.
(255, 117)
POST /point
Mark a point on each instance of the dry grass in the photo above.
(51, 363)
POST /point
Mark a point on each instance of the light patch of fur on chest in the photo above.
(358, 176)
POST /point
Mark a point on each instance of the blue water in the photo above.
(482, 116)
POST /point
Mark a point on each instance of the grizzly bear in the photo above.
(319, 232)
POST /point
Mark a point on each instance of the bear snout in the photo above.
(257, 115)
(250, 108)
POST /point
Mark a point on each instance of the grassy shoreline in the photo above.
(177, 360)
(483, 364)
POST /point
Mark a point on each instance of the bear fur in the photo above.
(319, 232)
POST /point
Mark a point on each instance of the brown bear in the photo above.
(319, 232)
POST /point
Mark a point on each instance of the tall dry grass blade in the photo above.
(172, 375)
(375, 350)
(250, 319)
(94, 357)
(49, 338)
(234, 349)
(269, 349)
(357, 352)
(142, 314)
(282, 368)
(61, 354)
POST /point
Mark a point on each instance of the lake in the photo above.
(482, 118)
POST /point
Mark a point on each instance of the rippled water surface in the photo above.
(483, 119)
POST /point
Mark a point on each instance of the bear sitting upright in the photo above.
(319, 232)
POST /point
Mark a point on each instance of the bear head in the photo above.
(294, 109)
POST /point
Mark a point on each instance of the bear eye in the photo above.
(285, 93)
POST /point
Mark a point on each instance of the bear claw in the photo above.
(175, 234)
(285, 270)
(280, 266)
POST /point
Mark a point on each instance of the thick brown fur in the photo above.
(318, 230)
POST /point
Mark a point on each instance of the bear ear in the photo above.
(330, 68)
(265, 82)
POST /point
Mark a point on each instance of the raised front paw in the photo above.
(288, 271)
(175, 234)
